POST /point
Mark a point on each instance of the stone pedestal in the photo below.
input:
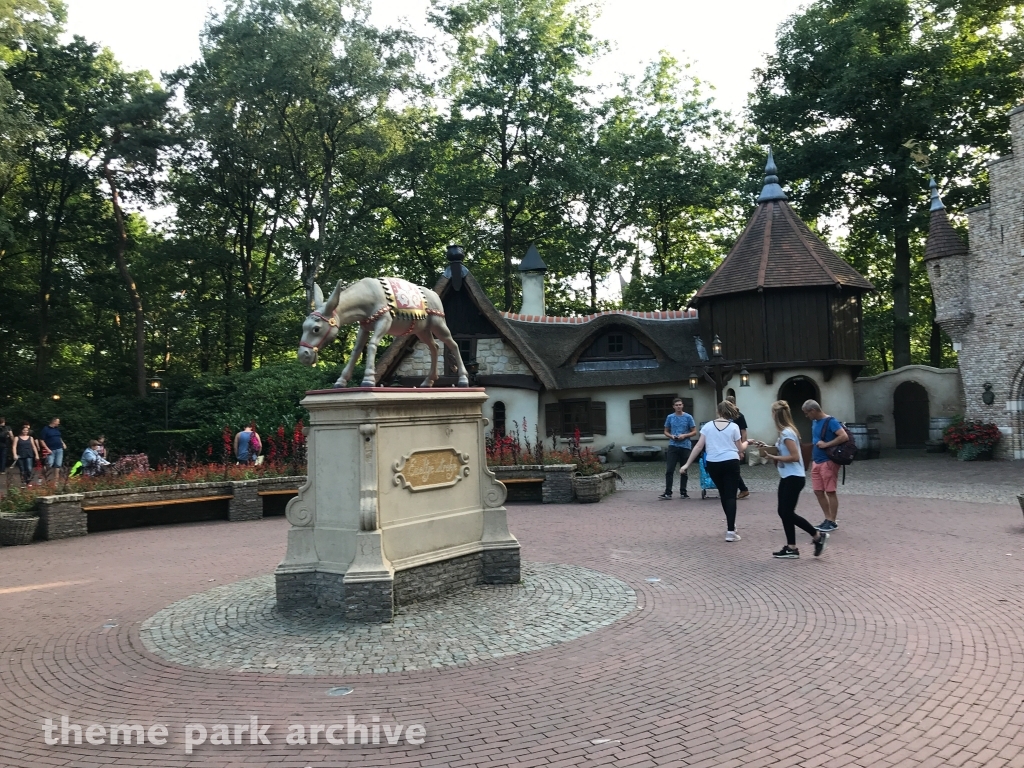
(398, 506)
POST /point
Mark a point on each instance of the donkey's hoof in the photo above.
(463, 381)
(426, 384)
(368, 383)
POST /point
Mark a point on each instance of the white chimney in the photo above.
(531, 272)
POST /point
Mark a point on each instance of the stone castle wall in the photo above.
(990, 286)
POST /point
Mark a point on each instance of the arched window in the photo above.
(499, 419)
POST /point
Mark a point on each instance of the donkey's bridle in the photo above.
(332, 332)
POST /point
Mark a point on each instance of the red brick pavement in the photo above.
(902, 646)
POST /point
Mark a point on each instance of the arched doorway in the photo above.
(910, 414)
(796, 391)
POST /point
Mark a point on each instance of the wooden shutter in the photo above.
(637, 416)
(598, 418)
(688, 406)
(553, 419)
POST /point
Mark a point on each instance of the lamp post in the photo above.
(718, 371)
(156, 385)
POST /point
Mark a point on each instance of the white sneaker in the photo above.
(732, 536)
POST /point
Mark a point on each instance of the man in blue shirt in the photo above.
(51, 437)
(826, 432)
(679, 429)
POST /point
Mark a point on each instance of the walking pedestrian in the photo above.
(243, 446)
(721, 439)
(792, 477)
(826, 432)
(5, 443)
(680, 429)
(741, 422)
(51, 437)
(23, 448)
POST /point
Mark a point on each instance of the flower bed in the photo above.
(513, 451)
(971, 440)
(62, 507)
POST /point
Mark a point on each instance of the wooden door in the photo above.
(910, 414)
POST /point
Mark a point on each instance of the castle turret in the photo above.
(946, 258)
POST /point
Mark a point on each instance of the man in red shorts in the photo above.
(826, 431)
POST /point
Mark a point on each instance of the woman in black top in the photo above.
(24, 449)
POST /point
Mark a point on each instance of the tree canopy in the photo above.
(173, 230)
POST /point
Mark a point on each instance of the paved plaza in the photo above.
(638, 638)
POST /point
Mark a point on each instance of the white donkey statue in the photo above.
(380, 306)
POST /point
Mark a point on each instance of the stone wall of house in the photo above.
(418, 363)
(495, 356)
(992, 340)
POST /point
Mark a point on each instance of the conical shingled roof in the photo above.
(943, 241)
(777, 250)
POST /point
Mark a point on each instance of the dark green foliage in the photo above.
(864, 99)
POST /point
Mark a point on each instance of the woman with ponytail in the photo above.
(792, 476)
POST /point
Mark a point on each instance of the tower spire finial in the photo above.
(936, 200)
(771, 189)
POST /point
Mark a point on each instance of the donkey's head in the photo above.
(320, 326)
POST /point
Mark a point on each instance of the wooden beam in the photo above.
(162, 503)
(285, 492)
(515, 480)
(769, 376)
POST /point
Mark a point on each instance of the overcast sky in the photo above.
(725, 40)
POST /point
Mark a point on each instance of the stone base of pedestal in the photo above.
(399, 505)
(500, 566)
(376, 601)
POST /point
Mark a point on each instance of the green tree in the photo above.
(133, 124)
(863, 98)
(516, 104)
(683, 182)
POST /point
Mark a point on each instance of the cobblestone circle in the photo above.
(237, 627)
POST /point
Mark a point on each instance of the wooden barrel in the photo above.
(936, 426)
(874, 443)
(859, 434)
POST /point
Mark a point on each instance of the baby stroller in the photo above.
(706, 484)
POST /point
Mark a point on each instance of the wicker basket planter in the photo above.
(588, 489)
(17, 530)
(593, 488)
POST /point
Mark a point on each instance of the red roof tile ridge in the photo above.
(659, 314)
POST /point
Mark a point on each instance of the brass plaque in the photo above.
(430, 469)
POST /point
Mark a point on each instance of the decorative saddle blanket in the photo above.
(405, 300)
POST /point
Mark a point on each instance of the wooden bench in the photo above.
(162, 503)
(284, 492)
(516, 480)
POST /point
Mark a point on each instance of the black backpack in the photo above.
(844, 453)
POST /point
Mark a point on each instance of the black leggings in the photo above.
(789, 495)
(726, 477)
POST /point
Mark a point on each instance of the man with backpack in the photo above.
(826, 432)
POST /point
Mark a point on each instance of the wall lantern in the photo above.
(716, 347)
(744, 377)
(988, 396)
(693, 380)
